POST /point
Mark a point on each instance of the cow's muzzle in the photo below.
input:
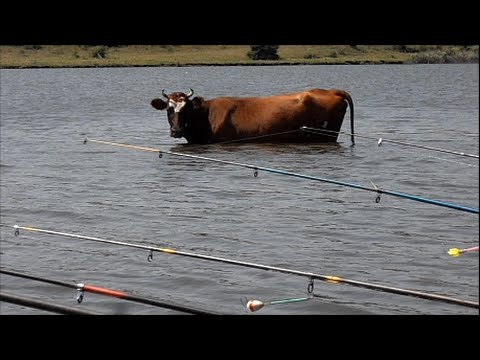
(176, 133)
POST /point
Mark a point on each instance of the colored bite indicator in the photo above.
(255, 305)
(457, 252)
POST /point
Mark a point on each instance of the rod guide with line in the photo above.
(82, 288)
(312, 276)
(256, 168)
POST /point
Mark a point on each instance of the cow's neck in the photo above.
(198, 130)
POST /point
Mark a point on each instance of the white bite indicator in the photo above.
(255, 305)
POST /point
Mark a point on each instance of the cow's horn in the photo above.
(190, 93)
(163, 93)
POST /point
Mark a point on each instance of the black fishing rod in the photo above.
(81, 288)
(43, 305)
(327, 278)
(255, 168)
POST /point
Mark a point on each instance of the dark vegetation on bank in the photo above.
(35, 56)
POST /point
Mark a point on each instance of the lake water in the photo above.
(51, 180)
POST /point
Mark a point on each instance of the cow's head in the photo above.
(179, 108)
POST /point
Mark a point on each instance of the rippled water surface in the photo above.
(51, 180)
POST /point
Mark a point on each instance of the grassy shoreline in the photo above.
(61, 56)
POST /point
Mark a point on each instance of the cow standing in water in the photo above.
(277, 118)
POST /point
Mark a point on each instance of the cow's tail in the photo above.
(348, 98)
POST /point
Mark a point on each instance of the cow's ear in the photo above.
(159, 104)
(197, 102)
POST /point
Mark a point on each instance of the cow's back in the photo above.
(235, 117)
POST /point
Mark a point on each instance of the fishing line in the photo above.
(255, 305)
(380, 141)
(450, 160)
(257, 137)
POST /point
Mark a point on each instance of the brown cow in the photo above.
(277, 118)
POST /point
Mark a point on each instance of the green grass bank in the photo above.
(56, 56)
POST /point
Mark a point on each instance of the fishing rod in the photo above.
(81, 288)
(380, 141)
(322, 132)
(312, 276)
(288, 173)
(43, 305)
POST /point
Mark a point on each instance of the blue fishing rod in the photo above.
(256, 168)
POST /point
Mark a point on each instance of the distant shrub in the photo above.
(473, 48)
(263, 52)
(358, 48)
(406, 48)
(427, 57)
(448, 56)
(310, 55)
(333, 54)
(169, 48)
(32, 47)
(100, 52)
